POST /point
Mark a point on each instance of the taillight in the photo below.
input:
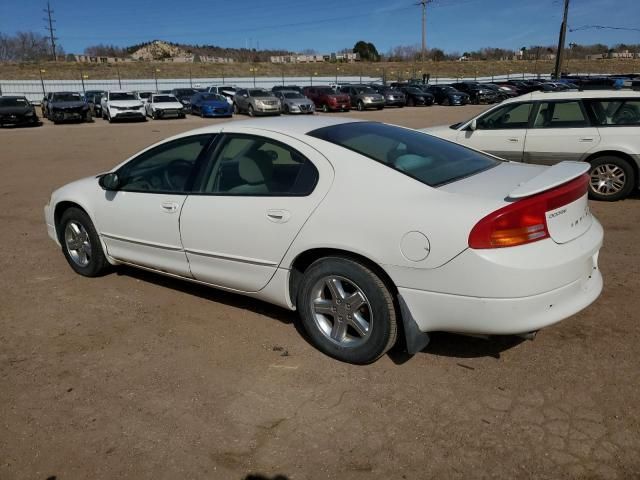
(525, 221)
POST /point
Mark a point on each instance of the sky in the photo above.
(324, 25)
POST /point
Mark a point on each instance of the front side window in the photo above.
(247, 165)
(164, 169)
(615, 112)
(512, 116)
(428, 159)
(560, 115)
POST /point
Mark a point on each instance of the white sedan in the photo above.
(366, 229)
(161, 105)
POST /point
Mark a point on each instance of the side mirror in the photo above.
(473, 125)
(109, 182)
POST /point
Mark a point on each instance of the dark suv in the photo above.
(447, 95)
(184, 97)
(477, 93)
(325, 98)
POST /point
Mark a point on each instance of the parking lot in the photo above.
(135, 375)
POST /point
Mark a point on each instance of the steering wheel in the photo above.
(176, 174)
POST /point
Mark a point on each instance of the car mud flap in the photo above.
(415, 339)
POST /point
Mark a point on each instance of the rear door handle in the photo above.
(586, 139)
(169, 207)
(278, 216)
(514, 140)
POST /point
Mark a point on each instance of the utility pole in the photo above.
(563, 33)
(424, 3)
(50, 21)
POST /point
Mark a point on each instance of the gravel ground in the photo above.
(139, 376)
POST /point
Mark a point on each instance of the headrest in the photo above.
(256, 169)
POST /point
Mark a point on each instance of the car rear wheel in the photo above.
(611, 178)
(81, 244)
(347, 310)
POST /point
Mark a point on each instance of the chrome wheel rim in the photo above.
(608, 179)
(77, 243)
(341, 311)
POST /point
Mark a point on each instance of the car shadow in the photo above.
(460, 346)
(441, 344)
(210, 293)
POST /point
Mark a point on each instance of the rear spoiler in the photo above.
(558, 174)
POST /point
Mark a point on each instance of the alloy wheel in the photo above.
(607, 179)
(341, 311)
(77, 243)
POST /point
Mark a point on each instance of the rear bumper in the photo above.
(500, 316)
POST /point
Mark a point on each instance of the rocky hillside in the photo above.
(158, 50)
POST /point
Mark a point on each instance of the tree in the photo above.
(367, 51)
(437, 55)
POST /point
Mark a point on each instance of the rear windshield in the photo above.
(428, 159)
(13, 102)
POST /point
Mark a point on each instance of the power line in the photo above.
(603, 27)
(49, 27)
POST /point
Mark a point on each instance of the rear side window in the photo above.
(560, 115)
(428, 159)
(615, 112)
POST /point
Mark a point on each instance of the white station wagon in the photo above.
(601, 128)
(366, 229)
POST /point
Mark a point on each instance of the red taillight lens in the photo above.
(524, 221)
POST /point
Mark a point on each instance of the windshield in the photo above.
(428, 159)
(227, 89)
(260, 93)
(212, 97)
(144, 94)
(13, 102)
(293, 95)
(122, 96)
(413, 90)
(184, 92)
(164, 99)
(66, 97)
(326, 90)
(365, 90)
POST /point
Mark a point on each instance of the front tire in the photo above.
(250, 111)
(611, 178)
(80, 244)
(360, 106)
(347, 310)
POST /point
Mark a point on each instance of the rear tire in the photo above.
(611, 178)
(347, 310)
(81, 245)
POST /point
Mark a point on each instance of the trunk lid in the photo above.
(567, 218)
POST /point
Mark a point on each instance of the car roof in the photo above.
(536, 96)
(285, 125)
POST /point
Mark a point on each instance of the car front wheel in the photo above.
(610, 178)
(80, 244)
(347, 310)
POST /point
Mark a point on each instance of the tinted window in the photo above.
(514, 115)
(255, 166)
(616, 112)
(428, 159)
(164, 169)
(122, 96)
(560, 115)
(66, 97)
(13, 102)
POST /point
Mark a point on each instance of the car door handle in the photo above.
(513, 140)
(586, 139)
(278, 216)
(169, 207)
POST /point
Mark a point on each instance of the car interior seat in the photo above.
(256, 171)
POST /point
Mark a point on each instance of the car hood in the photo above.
(441, 131)
(297, 101)
(125, 103)
(74, 104)
(20, 110)
(215, 104)
(167, 105)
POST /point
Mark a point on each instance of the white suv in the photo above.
(599, 127)
(121, 104)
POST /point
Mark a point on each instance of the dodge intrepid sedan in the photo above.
(370, 231)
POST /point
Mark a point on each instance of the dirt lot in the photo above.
(137, 376)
